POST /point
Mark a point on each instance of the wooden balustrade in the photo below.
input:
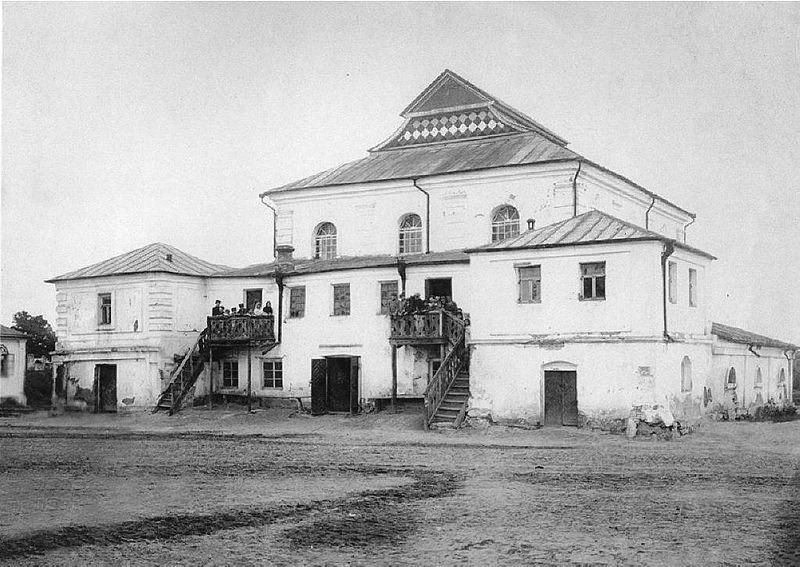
(453, 363)
(241, 328)
(417, 328)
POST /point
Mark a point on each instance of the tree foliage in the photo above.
(42, 339)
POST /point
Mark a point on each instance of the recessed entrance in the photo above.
(334, 384)
(105, 388)
(439, 287)
(560, 397)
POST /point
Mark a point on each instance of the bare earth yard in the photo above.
(227, 488)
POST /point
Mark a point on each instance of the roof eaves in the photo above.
(649, 238)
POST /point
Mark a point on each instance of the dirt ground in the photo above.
(224, 487)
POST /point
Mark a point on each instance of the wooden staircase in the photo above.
(184, 377)
(451, 411)
(447, 394)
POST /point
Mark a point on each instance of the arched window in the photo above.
(686, 374)
(410, 234)
(505, 223)
(730, 383)
(325, 241)
(759, 378)
(782, 393)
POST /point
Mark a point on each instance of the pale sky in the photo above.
(130, 123)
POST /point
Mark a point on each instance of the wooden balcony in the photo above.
(431, 328)
(241, 329)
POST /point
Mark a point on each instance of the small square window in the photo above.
(530, 284)
(273, 373)
(593, 280)
(104, 305)
(341, 299)
(297, 302)
(230, 373)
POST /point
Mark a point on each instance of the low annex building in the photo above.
(13, 354)
(565, 293)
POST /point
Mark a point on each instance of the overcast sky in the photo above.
(125, 123)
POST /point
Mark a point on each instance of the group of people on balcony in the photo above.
(256, 311)
(415, 305)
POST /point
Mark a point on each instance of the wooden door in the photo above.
(319, 386)
(560, 398)
(339, 394)
(106, 387)
(354, 385)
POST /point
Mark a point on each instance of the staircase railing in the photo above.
(452, 364)
(178, 393)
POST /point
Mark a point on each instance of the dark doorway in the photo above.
(251, 297)
(105, 388)
(560, 397)
(439, 287)
(334, 384)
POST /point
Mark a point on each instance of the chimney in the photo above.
(284, 260)
(531, 222)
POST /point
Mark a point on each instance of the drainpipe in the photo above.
(750, 348)
(401, 270)
(274, 225)
(669, 248)
(687, 226)
(279, 281)
(575, 190)
(647, 214)
(427, 217)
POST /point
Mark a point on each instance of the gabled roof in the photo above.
(737, 335)
(156, 257)
(312, 266)
(8, 332)
(592, 227)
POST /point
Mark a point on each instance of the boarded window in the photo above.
(692, 287)
(230, 373)
(730, 383)
(388, 294)
(686, 374)
(410, 234)
(297, 301)
(593, 280)
(673, 282)
(104, 303)
(530, 284)
(273, 373)
(505, 223)
(325, 241)
(7, 365)
(341, 299)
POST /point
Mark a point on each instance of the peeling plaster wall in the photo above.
(507, 381)
(138, 378)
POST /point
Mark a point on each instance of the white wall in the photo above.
(367, 215)
(12, 385)
(749, 394)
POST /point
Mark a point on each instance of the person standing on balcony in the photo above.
(268, 309)
(218, 309)
(257, 309)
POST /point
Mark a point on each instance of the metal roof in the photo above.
(737, 335)
(592, 227)
(156, 257)
(10, 333)
(436, 159)
(312, 266)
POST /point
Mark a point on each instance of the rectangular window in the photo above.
(388, 291)
(593, 280)
(104, 303)
(530, 284)
(692, 287)
(7, 365)
(297, 302)
(341, 299)
(273, 373)
(230, 373)
(673, 282)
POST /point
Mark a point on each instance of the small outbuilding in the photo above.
(13, 347)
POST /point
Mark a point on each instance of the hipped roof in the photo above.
(737, 335)
(10, 333)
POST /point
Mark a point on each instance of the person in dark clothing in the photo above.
(218, 309)
(268, 308)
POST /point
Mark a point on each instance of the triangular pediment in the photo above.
(447, 92)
